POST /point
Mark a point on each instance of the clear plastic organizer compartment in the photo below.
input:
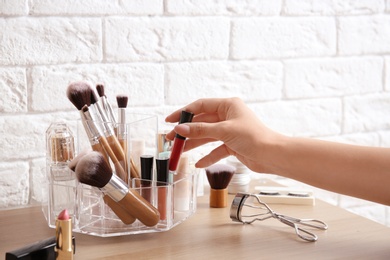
(175, 201)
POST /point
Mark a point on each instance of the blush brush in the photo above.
(115, 207)
(219, 176)
(93, 170)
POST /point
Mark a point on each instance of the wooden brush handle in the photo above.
(218, 198)
(118, 167)
(120, 155)
(140, 208)
(121, 212)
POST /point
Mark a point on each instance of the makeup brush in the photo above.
(219, 176)
(114, 143)
(93, 170)
(106, 105)
(111, 133)
(122, 133)
(107, 143)
(116, 208)
(81, 92)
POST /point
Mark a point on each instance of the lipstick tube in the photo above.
(64, 246)
(40, 250)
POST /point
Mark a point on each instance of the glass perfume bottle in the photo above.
(62, 181)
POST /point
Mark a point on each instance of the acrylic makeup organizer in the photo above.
(86, 205)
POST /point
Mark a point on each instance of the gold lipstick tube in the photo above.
(64, 245)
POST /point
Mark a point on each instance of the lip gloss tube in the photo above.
(178, 143)
(146, 177)
(163, 204)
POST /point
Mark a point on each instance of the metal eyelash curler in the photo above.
(246, 213)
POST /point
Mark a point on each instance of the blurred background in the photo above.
(318, 69)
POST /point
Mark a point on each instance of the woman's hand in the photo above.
(230, 121)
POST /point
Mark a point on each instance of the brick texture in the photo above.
(318, 69)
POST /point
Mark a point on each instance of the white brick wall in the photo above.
(307, 68)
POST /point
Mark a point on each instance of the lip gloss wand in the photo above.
(178, 144)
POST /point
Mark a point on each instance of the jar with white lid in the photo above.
(242, 177)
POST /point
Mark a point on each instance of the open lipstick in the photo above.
(64, 245)
(178, 143)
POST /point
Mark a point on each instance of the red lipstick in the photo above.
(178, 142)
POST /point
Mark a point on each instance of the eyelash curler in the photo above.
(244, 211)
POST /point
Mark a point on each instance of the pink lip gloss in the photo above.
(178, 143)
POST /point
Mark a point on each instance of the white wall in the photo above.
(308, 68)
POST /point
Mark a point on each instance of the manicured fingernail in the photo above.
(182, 129)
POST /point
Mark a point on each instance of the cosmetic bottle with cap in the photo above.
(62, 181)
(182, 184)
(164, 191)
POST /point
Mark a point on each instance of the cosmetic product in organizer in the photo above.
(64, 248)
(241, 178)
(163, 198)
(178, 143)
(164, 146)
(41, 250)
(62, 181)
(147, 177)
(81, 95)
(248, 208)
(105, 103)
(182, 186)
(121, 126)
(93, 170)
(219, 176)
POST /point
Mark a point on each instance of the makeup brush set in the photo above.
(112, 176)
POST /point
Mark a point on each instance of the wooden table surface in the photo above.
(210, 234)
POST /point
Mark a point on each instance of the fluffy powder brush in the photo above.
(219, 176)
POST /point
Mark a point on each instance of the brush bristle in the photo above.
(100, 90)
(92, 169)
(122, 101)
(79, 93)
(72, 164)
(94, 97)
(219, 175)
